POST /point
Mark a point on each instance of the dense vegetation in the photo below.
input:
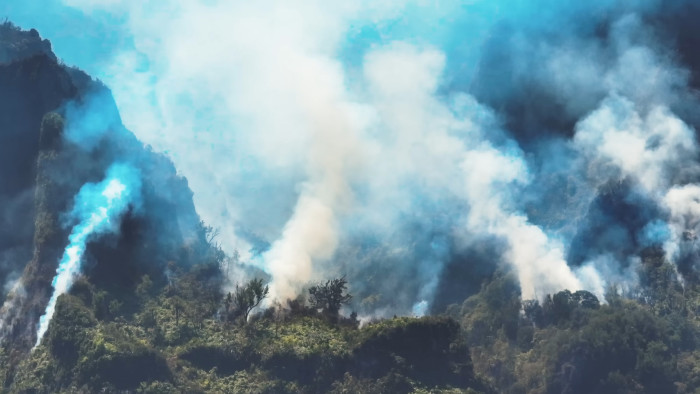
(177, 339)
(640, 340)
(187, 336)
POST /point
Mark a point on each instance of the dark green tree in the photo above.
(330, 296)
(143, 289)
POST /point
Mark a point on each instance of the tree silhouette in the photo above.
(249, 296)
(329, 297)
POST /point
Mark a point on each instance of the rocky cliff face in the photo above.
(30, 87)
(41, 170)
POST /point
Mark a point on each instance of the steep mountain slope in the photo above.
(32, 87)
(43, 165)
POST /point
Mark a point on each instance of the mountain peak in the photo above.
(16, 43)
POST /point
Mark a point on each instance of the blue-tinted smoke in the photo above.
(97, 210)
(90, 119)
(656, 232)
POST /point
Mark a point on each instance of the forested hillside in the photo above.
(187, 336)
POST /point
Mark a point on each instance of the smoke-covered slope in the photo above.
(32, 86)
(100, 243)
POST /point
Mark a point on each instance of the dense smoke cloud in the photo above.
(385, 141)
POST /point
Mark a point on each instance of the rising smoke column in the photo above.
(636, 135)
(455, 148)
(97, 209)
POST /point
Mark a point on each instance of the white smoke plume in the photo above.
(97, 209)
(633, 134)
